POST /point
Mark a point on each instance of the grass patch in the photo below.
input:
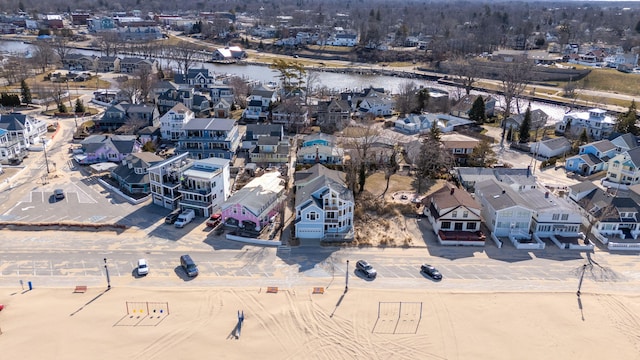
(610, 80)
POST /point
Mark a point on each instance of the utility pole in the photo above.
(346, 280)
(46, 161)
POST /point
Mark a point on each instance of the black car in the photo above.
(366, 269)
(58, 194)
(431, 271)
(171, 218)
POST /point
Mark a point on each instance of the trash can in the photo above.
(30, 285)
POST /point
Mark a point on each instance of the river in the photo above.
(331, 80)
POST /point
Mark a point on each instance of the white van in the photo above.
(185, 217)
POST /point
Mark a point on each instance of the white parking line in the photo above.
(84, 192)
(34, 268)
(84, 269)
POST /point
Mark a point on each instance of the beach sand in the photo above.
(296, 324)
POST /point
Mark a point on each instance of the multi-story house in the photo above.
(194, 101)
(320, 148)
(460, 146)
(79, 62)
(625, 142)
(10, 149)
(165, 179)
(624, 168)
(552, 216)
(291, 117)
(134, 116)
(221, 109)
(598, 124)
(255, 131)
(204, 138)
(132, 174)
(463, 107)
(196, 78)
(108, 64)
(333, 115)
(259, 102)
(454, 215)
(221, 92)
(503, 209)
(613, 216)
(592, 158)
(205, 186)
(270, 150)
(323, 206)
(256, 205)
(131, 65)
(26, 129)
(171, 123)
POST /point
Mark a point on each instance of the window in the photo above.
(465, 214)
(312, 216)
(556, 217)
(565, 217)
(446, 225)
(454, 214)
(471, 226)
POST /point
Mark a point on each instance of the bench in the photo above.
(80, 289)
(318, 290)
(272, 290)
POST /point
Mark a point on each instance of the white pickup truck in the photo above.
(185, 217)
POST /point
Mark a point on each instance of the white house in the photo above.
(205, 186)
(503, 210)
(26, 129)
(599, 125)
(324, 207)
(551, 147)
(171, 123)
(552, 215)
(625, 168)
(165, 179)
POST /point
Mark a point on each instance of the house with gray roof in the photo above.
(269, 151)
(205, 186)
(624, 169)
(323, 206)
(25, 129)
(196, 78)
(210, 137)
(126, 117)
(538, 120)
(107, 148)
(256, 131)
(551, 147)
(591, 158)
(625, 142)
(258, 103)
(517, 179)
(132, 174)
(10, 150)
(503, 210)
(333, 115)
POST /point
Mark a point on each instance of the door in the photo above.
(458, 226)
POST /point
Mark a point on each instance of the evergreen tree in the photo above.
(626, 123)
(26, 92)
(525, 128)
(584, 138)
(62, 108)
(434, 132)
(79, 106)
(477, 112)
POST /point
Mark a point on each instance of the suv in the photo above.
(58, 194)
(214, 220)
(431, 271)
(366, 269)
(171, 218)
(188, 265)
(143, 268)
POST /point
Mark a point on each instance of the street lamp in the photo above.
(346, 280)
(106, 270)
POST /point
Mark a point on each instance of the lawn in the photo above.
(610, 80)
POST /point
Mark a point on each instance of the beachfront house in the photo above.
(503, 210)
(165, 179)
(256, 205)
(205, 186)
(454, 216)
(323, 205)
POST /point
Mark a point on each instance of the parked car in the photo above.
(171, 218)
(58, 194)
(431, 271)
(188, 265)
(184, 218)
(214, 220)
(143, 268)
(366, 269)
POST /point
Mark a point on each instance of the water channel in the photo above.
(331, 80)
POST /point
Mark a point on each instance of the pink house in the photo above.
(253, 206)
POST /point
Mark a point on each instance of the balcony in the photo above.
(203, 192)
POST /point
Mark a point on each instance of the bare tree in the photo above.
(406, 100)
(133, 124)
(60, 46)
(514, 78)
(240, 90)
(312, 81)
(360, 141)
(110, 43)
(44, 54)
(464, 72)
(185, 55)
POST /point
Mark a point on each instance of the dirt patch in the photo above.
(62, 226)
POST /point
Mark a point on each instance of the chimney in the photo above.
(504, 191)
(546, 195)
(452, 190)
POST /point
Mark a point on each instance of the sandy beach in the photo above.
(296, 324)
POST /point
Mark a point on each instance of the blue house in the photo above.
(592, 158)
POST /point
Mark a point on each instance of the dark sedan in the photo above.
(431, 271)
